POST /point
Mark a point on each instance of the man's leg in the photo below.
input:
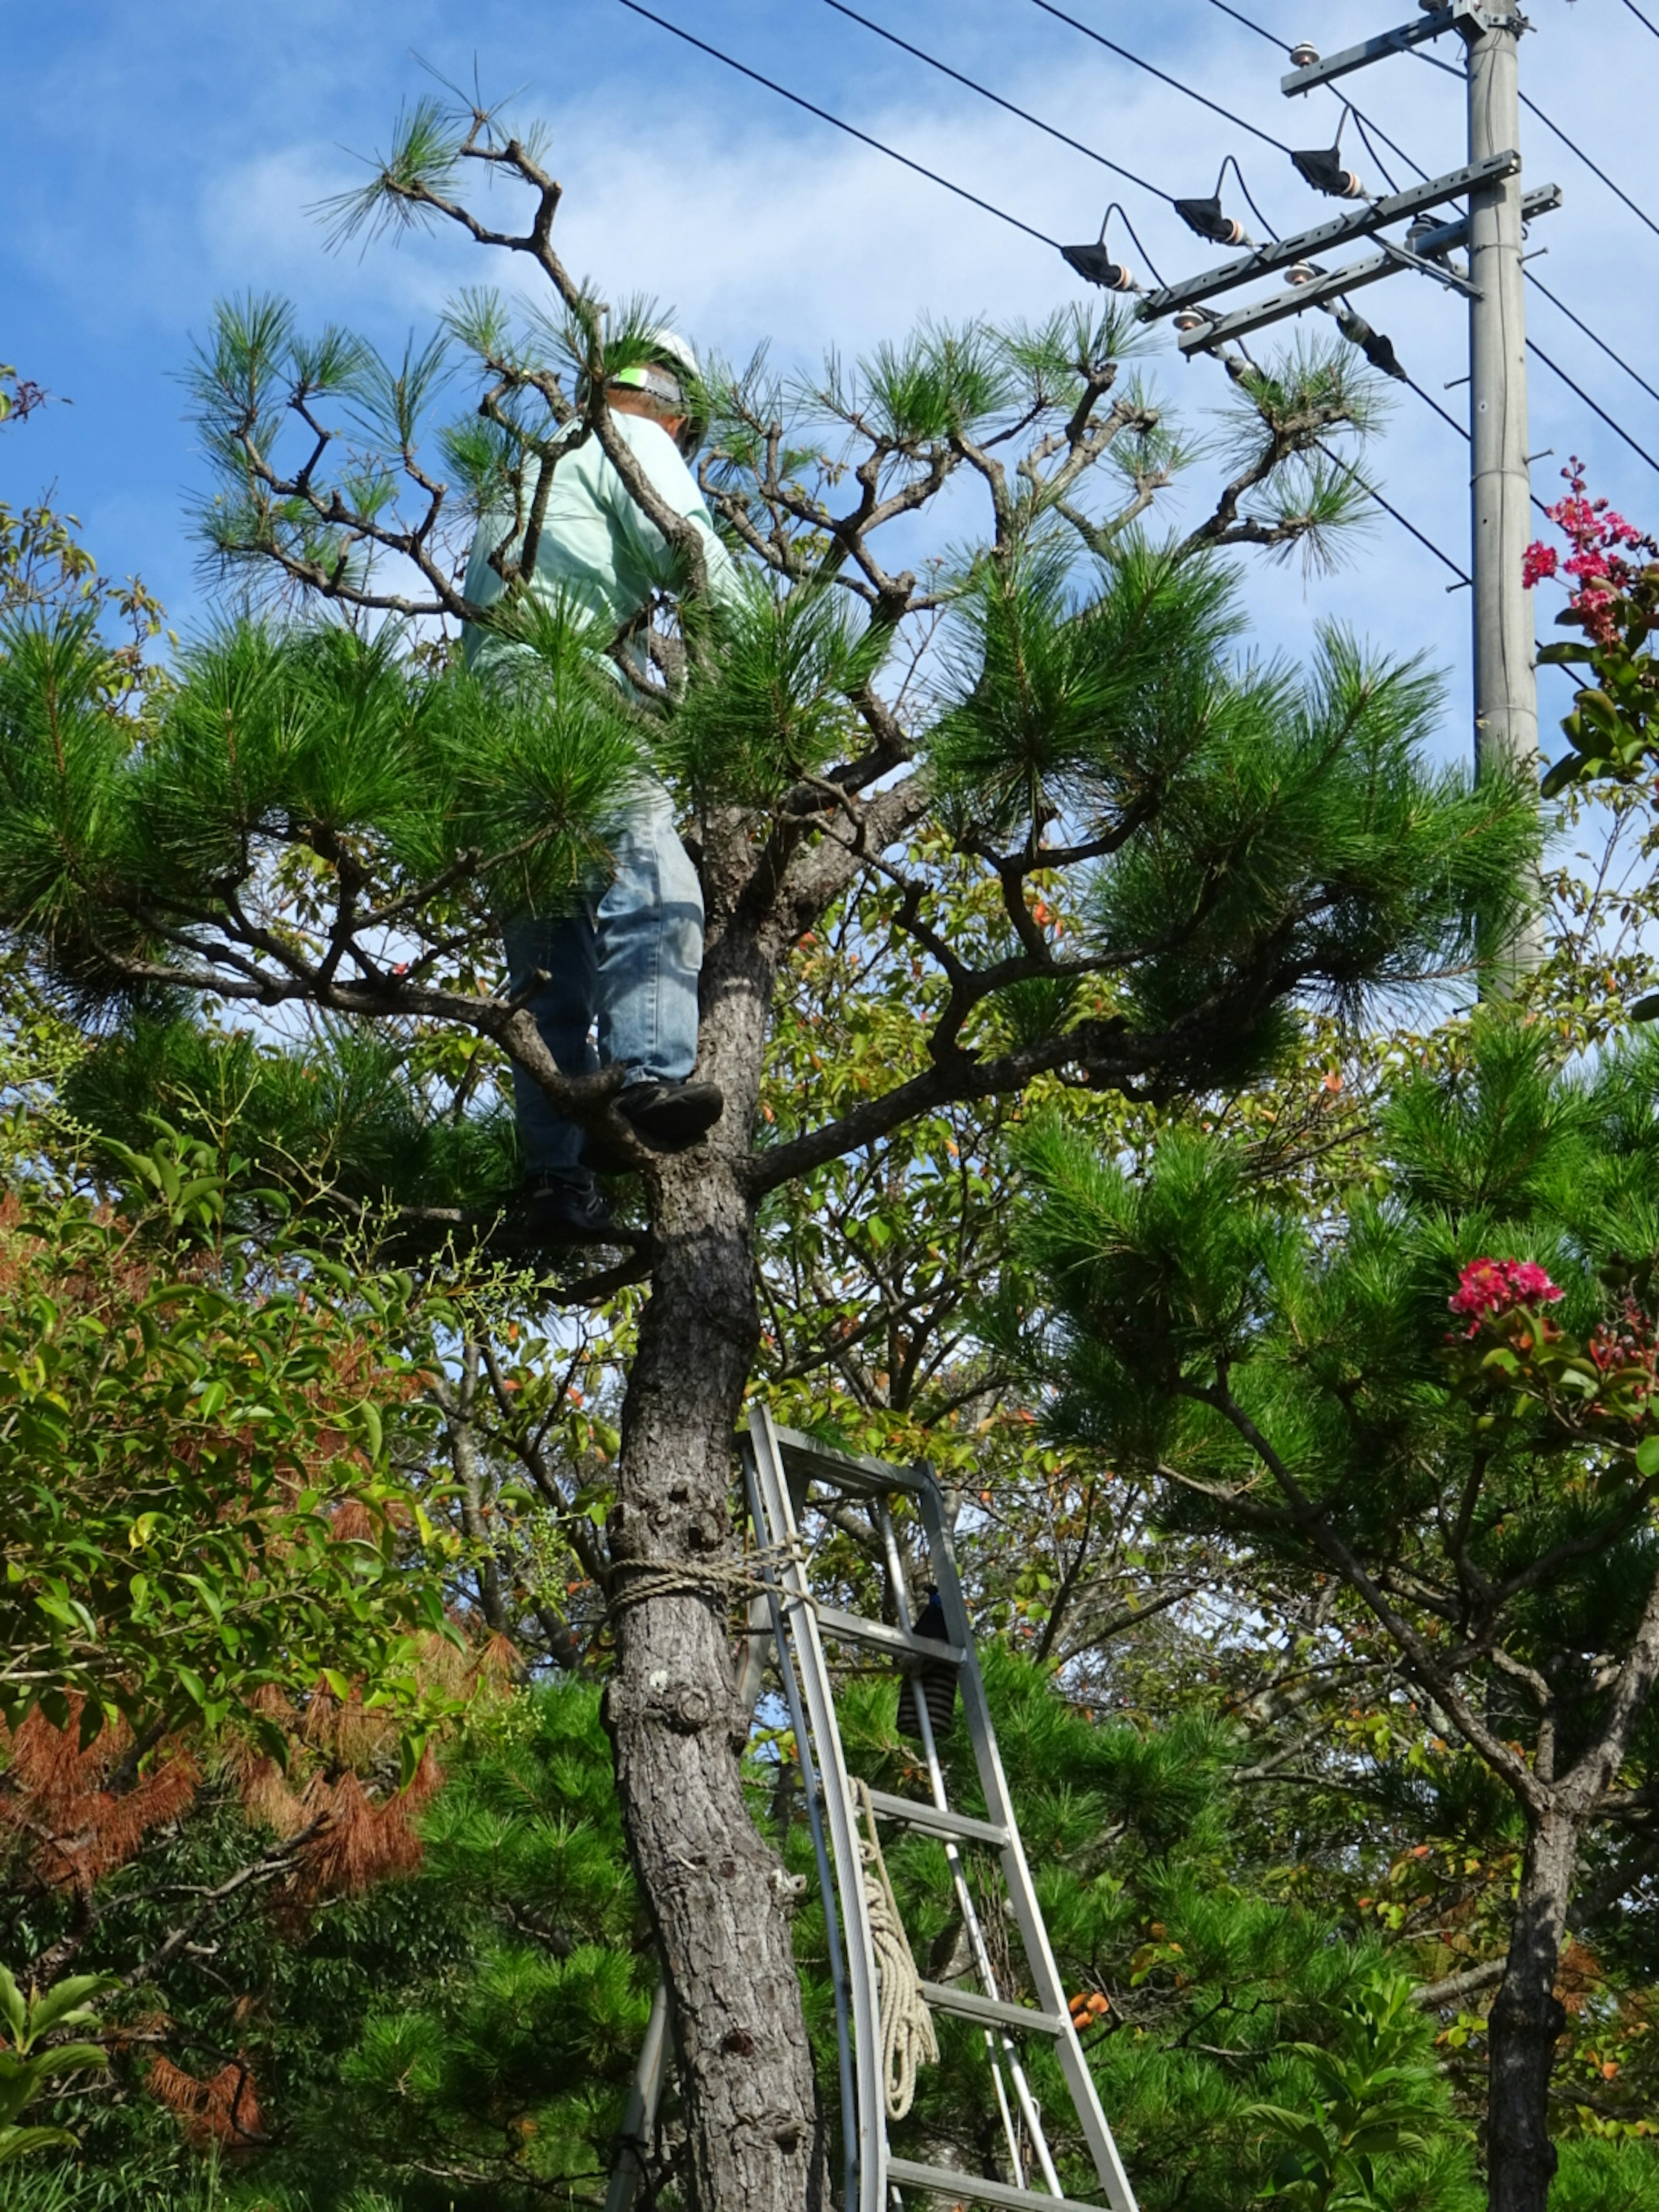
(560, 1191)
(648, 939)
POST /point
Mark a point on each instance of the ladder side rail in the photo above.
(795, 1609)
(809, 1782)
(1051, 1995)
(639, 2117)
(976, 1943)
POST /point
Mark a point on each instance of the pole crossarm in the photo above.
(1331, 284)
(1433, 24)
(1362, 223)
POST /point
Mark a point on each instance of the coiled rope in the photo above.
(635, 1582)
(907, 2040)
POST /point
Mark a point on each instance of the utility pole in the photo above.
(1500, 482)
(1505, 685)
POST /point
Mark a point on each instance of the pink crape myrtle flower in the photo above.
(1489, 1288)
(1596, 564)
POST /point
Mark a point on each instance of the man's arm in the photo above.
(676, 486)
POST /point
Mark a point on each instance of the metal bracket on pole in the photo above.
(1332, 283)
(1433, 24)
(1363, 222)
(1453, 279)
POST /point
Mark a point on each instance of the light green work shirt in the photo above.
(597, 549)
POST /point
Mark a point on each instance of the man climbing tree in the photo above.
(319, 823)
(631, 953)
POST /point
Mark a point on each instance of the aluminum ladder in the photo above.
(782, 1469)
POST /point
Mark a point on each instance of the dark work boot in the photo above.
(567, 1208)
(670, 1117)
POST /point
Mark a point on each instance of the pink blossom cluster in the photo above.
(1596, 564)
(1487, 1288)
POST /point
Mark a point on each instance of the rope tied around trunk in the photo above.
(649, 1578)
(907, 2040)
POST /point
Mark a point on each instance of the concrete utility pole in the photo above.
(1500, 483)
(1505, 683)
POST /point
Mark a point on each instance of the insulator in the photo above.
(1323, 170)
(1377, 348)
(1190, 319)
(1303, 273)
(1303, 55)
(1095, 264)
(1205, 216)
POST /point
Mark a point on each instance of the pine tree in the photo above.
(1438, 1399)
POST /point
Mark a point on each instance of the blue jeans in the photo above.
(631, 956)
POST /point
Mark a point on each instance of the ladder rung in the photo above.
(958, 1826)
(971, 2190)
(855, 1629)
(867, 1478)
(968, 2004)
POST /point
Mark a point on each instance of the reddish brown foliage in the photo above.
(1578, 1974)
(224, 2110)
(360, 1839)
(56, 1799)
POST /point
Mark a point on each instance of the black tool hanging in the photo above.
(936, 1684)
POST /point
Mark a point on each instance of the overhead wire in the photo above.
(1619, 431)
(1162, 75)
(851, 129)
(1641, 18)
(1572, 146)
(1249, 25)
(988, 207)
(1359, 125)
(1367, 127)
(985, 93)
(1348, 470)
(1594, 337)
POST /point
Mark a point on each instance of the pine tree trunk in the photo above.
(753, 2127)
(1526, 2020)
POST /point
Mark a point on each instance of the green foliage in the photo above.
(1253, 834)
(182, 1426)
(1372, 2095)
(776, 707)
(464, 2034)
(1605, 2177)
(349, 1117)
(27, 2070)
(318, 745)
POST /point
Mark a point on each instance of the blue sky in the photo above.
(157, 158)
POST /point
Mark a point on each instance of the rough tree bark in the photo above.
(1526, 2020)
(716, 1892)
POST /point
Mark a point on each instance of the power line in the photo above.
(1652, 391)
(1444, 559)
(1461, 429)
(1249, 25)
(1367, 125)
(863, 136)
(1641, 18)
(1123, 53)
(1532, 107)
(1618, 429)
(1359, 125)
(985, 93)
(1372, 492)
